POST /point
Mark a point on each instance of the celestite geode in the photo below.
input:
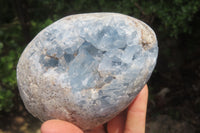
(86, 68)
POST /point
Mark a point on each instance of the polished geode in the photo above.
(86, 68)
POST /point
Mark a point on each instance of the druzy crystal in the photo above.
(86, 68)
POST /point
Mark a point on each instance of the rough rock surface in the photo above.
(86, 68)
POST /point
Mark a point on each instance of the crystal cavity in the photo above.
(86, 68)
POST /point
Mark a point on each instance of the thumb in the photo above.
(59, 126)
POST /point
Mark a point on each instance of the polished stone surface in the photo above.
(86, 68)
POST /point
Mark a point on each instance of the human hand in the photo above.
(130, 121)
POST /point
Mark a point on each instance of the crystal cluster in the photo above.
(86, 68)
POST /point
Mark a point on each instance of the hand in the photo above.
(131, 121)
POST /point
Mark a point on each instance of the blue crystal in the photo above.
(86, 68)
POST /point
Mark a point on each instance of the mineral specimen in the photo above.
(86, 68)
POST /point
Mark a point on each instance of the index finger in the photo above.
(136, 115)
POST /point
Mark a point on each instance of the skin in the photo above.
(131, 120)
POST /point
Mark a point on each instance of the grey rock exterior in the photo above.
(86, 68)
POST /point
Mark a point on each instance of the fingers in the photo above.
(116, 125)
(136, 115)
(58, 126)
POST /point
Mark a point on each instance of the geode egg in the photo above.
(86, 68)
